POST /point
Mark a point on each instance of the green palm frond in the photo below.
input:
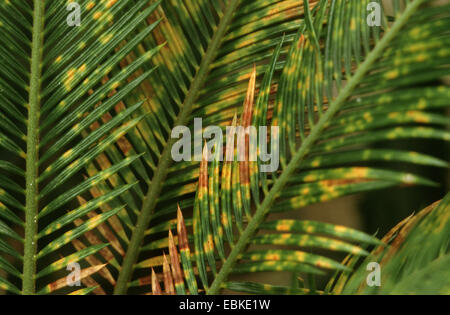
(415, 262)
(86, 120)
(51, 93)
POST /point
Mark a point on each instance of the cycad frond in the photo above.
(323, 138)
(50, 96)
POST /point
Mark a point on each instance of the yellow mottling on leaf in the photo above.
(105, 39)
(284, 226)
(392, 74)
(225, 219)
(110, 3)
(340, 229)
(90, 5)
(275, 257)
(97, 15)
(115, 85)
(300, 256)
(368, 117)
(417, 47)
(310, 178)
(418, 117)
(422, 104)
(67, 154)
(359, 172)
(352, 24)
(393, 115)
(316, 163)
(109, 17)
(421, 57)
(70, 76)
(415, 32)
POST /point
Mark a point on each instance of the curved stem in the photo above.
(32, 157)
(335, 106)
(165, 161)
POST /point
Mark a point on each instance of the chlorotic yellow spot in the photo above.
(418, 117)
(67, 154)
(105, 39)
(97, 15)
(273, 257)
(340, 229)
(392, 74)
(110, 3)
(284, 226)
(353, 25)
(422, 104)
(90, 5)
(359, 172)
(368, 117)
(70, 76)
(421, 57)
(393, 115)
(115, 85)
(82, 68)
(310, 178)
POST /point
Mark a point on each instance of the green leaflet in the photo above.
(307, 241)
(63, 262)
(296, 256)
(312, 227)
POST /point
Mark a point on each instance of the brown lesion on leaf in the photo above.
(175, 261)
(156, 288)
(246, 121)
(168, 279)
(183, 242)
